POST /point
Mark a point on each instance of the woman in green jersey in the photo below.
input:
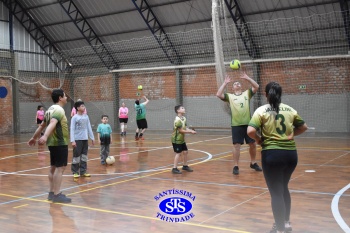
(279, 123)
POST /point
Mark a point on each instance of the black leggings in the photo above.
(278, 166)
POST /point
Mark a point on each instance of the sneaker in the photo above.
(85, 175)
(176, 171)
(121, 134)
(136, 138)
(235, 170)
(287, 227)
(61, 198)
(50, 196)
(187, 168)
(124, 133)
(75, 175)
(274, 229)
(141, 138)
(256, 167)
(103, 163)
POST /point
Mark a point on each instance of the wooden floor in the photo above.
(121, 197)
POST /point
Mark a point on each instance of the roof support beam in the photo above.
(344, 6)
(29, 24)
(157, 30)
(88, 33)
(131, 31)
(242, 28)
(106, 14)
(299, 6)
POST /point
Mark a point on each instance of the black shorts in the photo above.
(178, 148)
(141, 124)
(123, 120)
(38, 121)
(239, 134)
(58, 156)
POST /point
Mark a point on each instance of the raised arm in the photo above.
(254, 84)
(146, 100)
(220, 93)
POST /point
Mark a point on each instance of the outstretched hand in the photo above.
(227, 79)
(243, 75)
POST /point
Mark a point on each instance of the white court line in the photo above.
(26, 154)
(162, 168)
(335, 210)
(97, 158)
(324, 164)
(13, 144)
(126, 174)
(241, 203)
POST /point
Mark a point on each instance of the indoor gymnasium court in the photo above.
(173, 52)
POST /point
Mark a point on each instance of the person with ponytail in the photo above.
(278, 124)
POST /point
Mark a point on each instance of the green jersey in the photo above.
(276, 127)
(140, 111)
(240, 107)
(105, 131)
(59, 137)
(176, 136)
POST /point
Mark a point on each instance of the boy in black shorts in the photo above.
(178, 139)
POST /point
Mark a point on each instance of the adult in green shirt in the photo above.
(56, 138)
(239, 102)
(279, 123)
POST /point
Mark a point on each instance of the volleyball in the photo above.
(110, 160)
(139, 87)
(235, 64)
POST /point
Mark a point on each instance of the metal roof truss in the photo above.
(36, 33)
(89, 34)
(157, 30)
(242, 28)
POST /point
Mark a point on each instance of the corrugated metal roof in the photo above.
(267, 10)
(119, 24)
